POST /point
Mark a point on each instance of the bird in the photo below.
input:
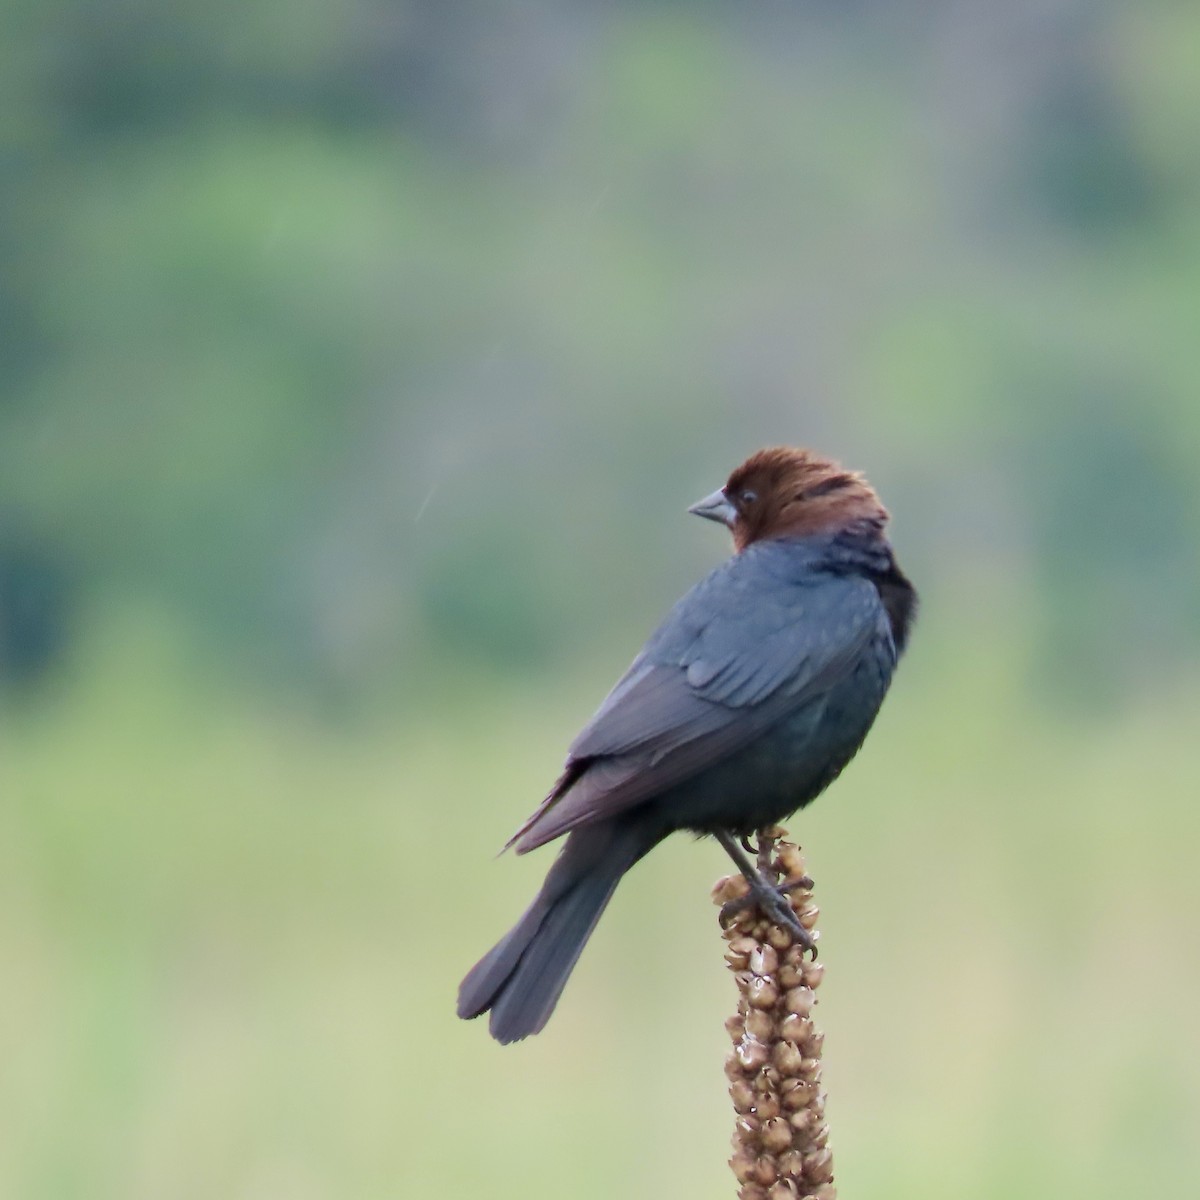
(742, 707)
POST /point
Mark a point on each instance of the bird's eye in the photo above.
(748, 496)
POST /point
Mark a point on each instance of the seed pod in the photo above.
(763, 993)
(752, 1054)
(800, 1121)
(814, 972)
(794, 1028)
(790, 860)
(791, 1164)
(800, 1097)
(776, 1135)
(760, 1025)
(742, 1095)
(786, 1058)
(818, 1166)
(765, 1171)
(799, 1000)
(789, 976)
(742, 1165)
(764, 960)
(780, 938)
(730, 887)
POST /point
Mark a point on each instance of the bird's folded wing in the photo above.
(734, 656)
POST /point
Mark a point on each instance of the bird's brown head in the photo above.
(786, 492)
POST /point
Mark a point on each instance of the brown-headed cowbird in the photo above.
(743, 706)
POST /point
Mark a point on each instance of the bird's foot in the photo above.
(771, 899)
(773, 902)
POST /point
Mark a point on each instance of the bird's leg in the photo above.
(766, 847)
(769, 897)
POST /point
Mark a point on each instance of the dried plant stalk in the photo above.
(780, 1141)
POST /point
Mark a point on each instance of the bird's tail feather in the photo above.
(521, 978)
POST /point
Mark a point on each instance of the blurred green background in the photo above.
(358, 364)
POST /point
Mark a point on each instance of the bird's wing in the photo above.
(738, 652)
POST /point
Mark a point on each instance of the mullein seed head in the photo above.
(780, 1139)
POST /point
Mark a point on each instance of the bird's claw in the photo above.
(773, 903)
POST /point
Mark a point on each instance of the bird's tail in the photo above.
(521, 978)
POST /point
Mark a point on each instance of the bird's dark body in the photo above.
(745, 704)
(804, 748)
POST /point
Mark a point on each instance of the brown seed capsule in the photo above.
(785, 1189)
(794, 1028)
(786, 1058)
(819, 1137)
(814, 972)
(730, 887)
(767, 1107)
(765, 1172)
(808, 915)
(734, 1027)
(825, 1192)
(791, 1164)
(814, 1043)
(801, 1120)
(776, 1135)
(799, 1000)
(760, 1025)
(742, 1095)
(778, 937)
(818, 1166)
(742, 1165)
(762, 993)
(800, 1097)
(752, 1054)
(733, 1067)
(764, 960)
(789, 976)
(810, 1068)
(790, 858)
(752, 1191)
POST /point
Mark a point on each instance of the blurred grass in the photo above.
(230, 936)
(384, 351)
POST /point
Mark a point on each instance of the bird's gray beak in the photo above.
(716, 508)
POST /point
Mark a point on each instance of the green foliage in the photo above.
(361, 360)
(274, 283)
